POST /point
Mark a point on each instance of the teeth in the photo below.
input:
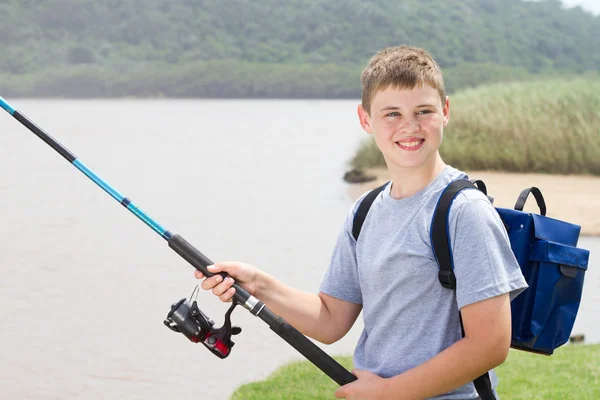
(410, 144)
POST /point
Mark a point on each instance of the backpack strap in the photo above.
(365, 205)
(363, 209)
(440, 243)
(481, 186)
(440, 239)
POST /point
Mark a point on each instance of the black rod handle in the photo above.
(307, 348)
(200, 262)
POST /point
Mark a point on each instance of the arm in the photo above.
(485, 345)
(321, 317)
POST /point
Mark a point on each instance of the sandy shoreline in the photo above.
(572, 198)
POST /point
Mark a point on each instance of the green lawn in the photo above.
(572, 372)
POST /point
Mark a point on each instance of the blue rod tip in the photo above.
(6, 106)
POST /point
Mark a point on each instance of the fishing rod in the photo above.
(185, 316)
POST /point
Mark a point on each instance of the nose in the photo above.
(409, 125)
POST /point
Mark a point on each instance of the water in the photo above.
(588, 317)
(86, 285)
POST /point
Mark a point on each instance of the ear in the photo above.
(446, 111)
(365, 120)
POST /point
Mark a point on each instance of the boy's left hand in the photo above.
(367, 386)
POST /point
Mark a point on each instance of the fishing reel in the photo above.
(185, 317)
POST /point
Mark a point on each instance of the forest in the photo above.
(268, 48)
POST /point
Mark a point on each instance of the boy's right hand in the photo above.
(243, 274)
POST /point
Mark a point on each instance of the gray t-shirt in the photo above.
(408, 316)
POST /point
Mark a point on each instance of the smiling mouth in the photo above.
(411, 144)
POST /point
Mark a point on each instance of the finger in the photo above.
(227, 295)
(198, 274)
(362, 374)
(341, 393)
(210, 283)
(230, 267)
(213, 268)
(218, 267)
(222, 287)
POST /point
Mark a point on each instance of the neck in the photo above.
(409, 181)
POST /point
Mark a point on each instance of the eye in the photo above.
(423, 112)
(393, 114)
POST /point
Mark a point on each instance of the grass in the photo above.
(550, 126)
(572, 372)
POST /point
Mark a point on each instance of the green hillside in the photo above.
(268, 48)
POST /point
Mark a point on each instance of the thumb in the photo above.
(342, 392)
(360, 373)
(223, 266)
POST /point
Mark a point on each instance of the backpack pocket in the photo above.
(555, 278)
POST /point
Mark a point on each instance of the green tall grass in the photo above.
(548, 126)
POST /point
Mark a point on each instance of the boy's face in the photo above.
(407, 125)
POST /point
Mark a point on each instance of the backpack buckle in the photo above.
(447, 279)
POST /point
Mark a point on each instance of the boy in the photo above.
(411, 346)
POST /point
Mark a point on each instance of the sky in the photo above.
(589, 5)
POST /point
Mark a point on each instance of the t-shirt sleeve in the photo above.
(341, 278)
(484, 263)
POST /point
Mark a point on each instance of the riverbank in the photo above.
(572, 198)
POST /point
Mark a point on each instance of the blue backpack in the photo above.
(546, 250)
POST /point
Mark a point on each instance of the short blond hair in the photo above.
(402, 67)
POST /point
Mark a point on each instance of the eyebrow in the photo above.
(389, 108)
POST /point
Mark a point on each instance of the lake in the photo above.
(86, 286)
